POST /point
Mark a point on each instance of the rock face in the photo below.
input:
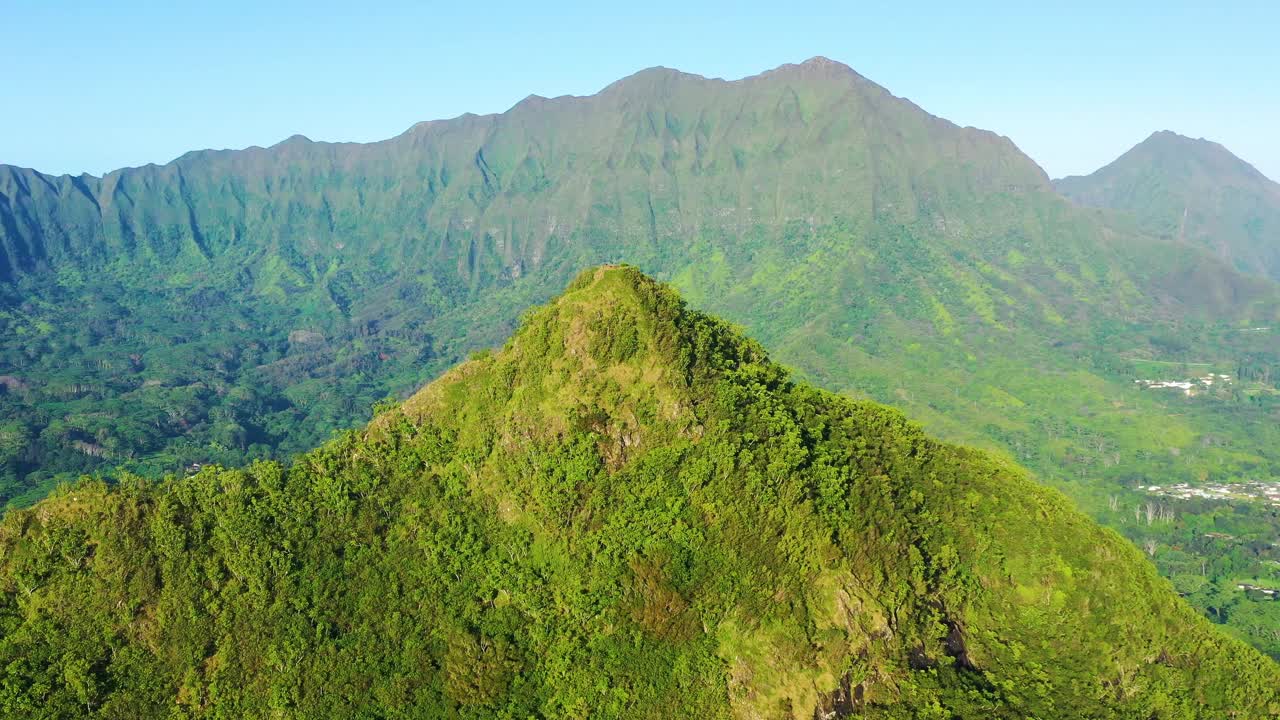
(305, 337)
(627, 511)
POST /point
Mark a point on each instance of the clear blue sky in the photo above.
(91, 86)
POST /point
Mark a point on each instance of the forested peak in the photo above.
(626, 511)
(816, 66)
(1192, 190)
(616, 316)
(1168, 141)
(617, 352)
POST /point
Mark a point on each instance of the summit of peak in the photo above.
(821, 61)
(295, 139)
(1171, 139)
(816, 65)
(612, 324)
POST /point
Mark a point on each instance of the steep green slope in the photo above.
(628, 511)
(1194, 191)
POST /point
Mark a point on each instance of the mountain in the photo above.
(627, 511)
(1194, 191)
(237, 305)
(234, 304)
(378, 265)
(648, 161)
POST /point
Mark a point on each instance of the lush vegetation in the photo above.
(232, 306)
(628, 511)
(1209, 550)
(158, 380)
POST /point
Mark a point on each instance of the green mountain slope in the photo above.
(649, 161)
(1194, 191)
(238, 305)
(628, 511)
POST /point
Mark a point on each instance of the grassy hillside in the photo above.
(627, 511)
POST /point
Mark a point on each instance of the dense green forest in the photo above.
(627, 511)
(233, 306)
(155, 381)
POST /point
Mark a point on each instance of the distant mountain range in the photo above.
(232, 305)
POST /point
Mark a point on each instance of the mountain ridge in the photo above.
(842, 86)
(818, 65)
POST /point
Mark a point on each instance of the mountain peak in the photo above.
(1194, 190)
(817, 66)
(649, 78)
(1192, 159)
(1170, 141)
(822, 63)
(1159, 135)
(295, 139)
(613, 328)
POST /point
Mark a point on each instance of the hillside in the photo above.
(1194, 191)
(627, 511)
